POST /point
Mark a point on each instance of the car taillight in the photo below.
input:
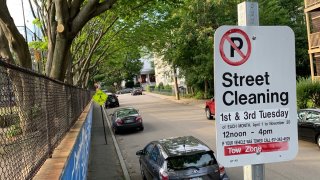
(221, 170)
(163, 175)
(138, 119)
(119, 121)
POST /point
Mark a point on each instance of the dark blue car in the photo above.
(179, 158)
(309, 125)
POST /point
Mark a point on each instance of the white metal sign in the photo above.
(255, 95)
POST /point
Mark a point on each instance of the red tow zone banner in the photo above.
(255, 148)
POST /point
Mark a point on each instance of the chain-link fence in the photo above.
(35, 114)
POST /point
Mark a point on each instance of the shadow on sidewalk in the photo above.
(103, 160)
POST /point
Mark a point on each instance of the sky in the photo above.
(15, 9)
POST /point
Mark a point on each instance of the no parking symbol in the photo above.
(235, 47)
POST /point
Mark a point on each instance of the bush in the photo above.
(129, 84)
(148, 88)
(160, 86)
(137, 84)
(199, 95)
(167, 87)
(308, 93)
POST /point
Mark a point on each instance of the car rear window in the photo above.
(127, 112)
(195, 160)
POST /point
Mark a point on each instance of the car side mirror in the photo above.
(140, 152)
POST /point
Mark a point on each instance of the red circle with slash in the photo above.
(244, 56)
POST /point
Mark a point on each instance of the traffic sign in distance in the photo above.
(100, 97)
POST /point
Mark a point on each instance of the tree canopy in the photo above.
(88, 39)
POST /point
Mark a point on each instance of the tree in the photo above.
(126, 39)
(13, 38)
(189, 43)
(61, 20)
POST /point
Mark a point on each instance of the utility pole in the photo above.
(176, 83)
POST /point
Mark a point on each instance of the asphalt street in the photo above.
(163, 117)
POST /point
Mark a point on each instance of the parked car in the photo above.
(112, 101)
(126, 118)
(309, 125)
(179, 158)
(137, 91)
(182, 89)
(210, 108)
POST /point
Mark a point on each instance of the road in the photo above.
(164, 118)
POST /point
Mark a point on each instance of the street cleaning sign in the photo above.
(100, 97)
(255, 95)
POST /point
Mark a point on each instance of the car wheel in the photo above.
(208, 113)
(142, 173)
(318, 141)
(141, 128)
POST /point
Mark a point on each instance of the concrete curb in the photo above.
(115, 142)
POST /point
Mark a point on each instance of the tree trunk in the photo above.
(205, 89)
(60, 58)
(176, 83)
(4, 47)
(15, 40)
(68, 78)
(51, 31)
(23, 88)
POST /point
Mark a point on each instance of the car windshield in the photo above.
(126, 112)
(191, 161)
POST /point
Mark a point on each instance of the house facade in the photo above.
(164, 73)
(147, 73)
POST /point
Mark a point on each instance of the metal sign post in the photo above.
(255, 97)
(248, 15)
(104, 127)
(100, 97)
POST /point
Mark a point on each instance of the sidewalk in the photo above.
(103, 160)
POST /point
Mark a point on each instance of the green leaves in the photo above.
(39, 45)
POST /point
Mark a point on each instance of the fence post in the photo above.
(47, 120)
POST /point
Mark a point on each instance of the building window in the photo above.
(143, 78)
